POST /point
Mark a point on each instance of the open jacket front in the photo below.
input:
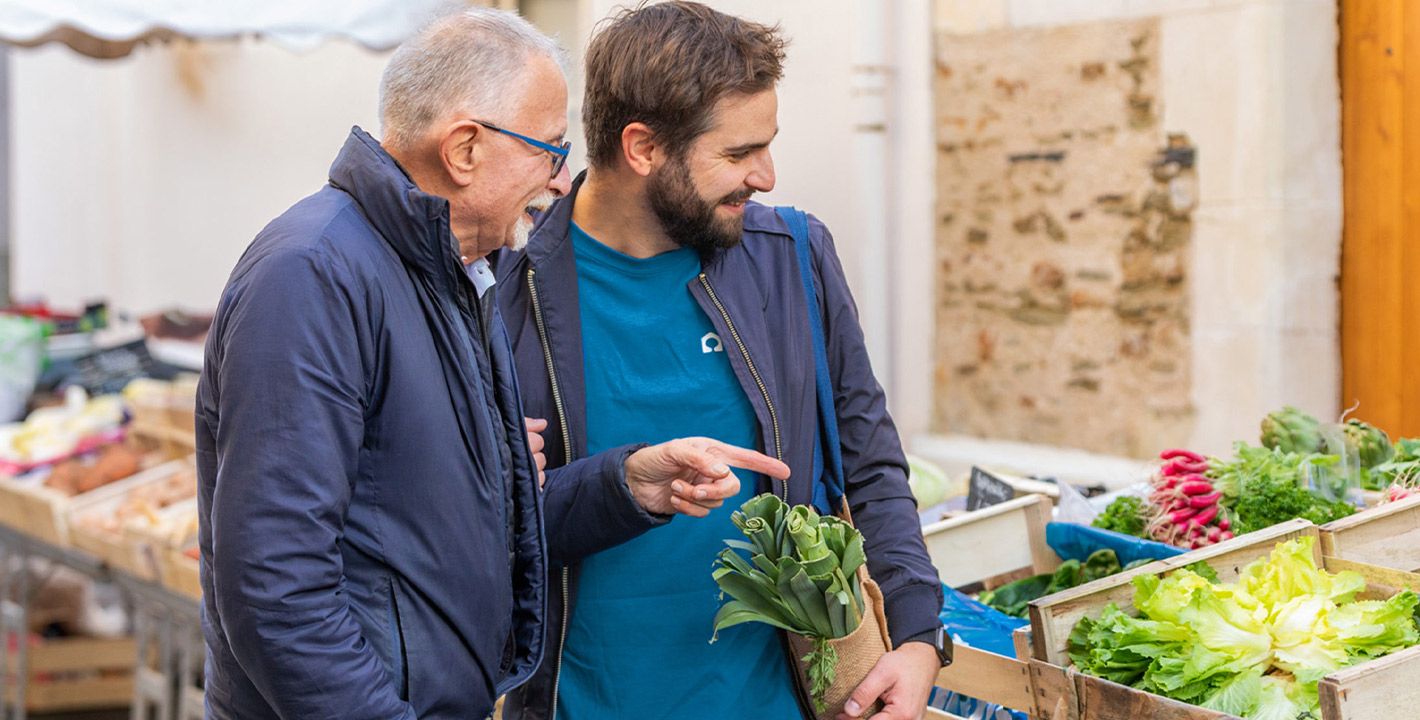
(753, 296)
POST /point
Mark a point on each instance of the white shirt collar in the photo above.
(481, 275)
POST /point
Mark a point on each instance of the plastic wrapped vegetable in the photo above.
(1370, 444)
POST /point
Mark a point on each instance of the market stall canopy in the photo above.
(111, 28)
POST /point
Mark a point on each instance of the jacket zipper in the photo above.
(754, 372)
(801, 692)
(567, 459)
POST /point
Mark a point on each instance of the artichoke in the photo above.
(1369, 443)
(1292, 431)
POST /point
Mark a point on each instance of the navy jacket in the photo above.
(372, 537)
(753, 295)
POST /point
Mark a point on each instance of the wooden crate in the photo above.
(163, 438)
(176, 571)
(998, 540)
(36, 510)
(180, 573)
(71, 674)
(1383, 542)
(119, 548)
(1004, 539)
(43, 512)
(1354, 693)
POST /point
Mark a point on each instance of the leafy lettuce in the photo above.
(1254, 648)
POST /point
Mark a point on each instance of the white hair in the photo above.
(472, 60)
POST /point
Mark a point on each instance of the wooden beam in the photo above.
(1381, 172)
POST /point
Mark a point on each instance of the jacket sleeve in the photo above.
(588, 508)
(874, 466)
(290, 393)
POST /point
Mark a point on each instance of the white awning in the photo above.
(110, 28)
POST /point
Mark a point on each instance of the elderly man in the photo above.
(656, 300)
(372, 532)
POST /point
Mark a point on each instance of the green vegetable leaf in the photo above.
(1238, 696)
(1255, 648)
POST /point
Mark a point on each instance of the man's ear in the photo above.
(639, 148)
(462, 149)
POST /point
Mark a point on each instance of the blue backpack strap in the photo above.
(830, 450)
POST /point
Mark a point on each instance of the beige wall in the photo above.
(1253, 83)
(142, 179)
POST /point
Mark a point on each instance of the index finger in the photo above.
(750, 460)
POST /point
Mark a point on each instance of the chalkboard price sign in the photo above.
(986, 490)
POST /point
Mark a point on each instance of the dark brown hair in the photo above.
(667, 65)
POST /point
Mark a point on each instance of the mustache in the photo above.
(737, 197)
(542, 202)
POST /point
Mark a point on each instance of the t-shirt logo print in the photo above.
(710, 342)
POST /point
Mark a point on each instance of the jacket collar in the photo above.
(554, 227)
(414, 223)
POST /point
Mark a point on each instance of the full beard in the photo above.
(689, 219)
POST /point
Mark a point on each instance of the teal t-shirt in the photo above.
(638, 639)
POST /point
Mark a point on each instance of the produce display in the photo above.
(1014, 598)
(798, 572)
(141, 506)
(1254, 648)
(1264, 487)
(1184, 508)
(1399, 476)
(1127, 514)
(1353, 443)
(94, 470)
(163, 403)
(52, 434)
(1303, 469)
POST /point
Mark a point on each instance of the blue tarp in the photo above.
(1076, 542)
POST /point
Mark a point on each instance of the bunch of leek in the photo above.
(798, 572)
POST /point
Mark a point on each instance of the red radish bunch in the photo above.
(1188, 511)
(1398, 492)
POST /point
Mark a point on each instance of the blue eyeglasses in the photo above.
(558, 152)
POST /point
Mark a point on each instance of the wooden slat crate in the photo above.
(43, 512)
(1054, 616)
(170, 441)
(1004, 539)
(993, 541)
(1385, 540)
(180, 573)
(118, 549)
(70, 674)
(1354, 693)
(176, 571)
(36, 510)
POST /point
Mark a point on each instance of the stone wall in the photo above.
(1063, 256)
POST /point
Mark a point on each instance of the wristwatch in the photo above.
(942, 641)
